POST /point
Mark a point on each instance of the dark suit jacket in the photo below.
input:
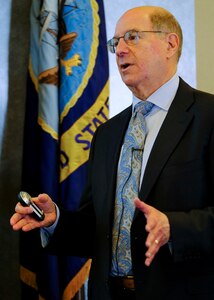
(178, 180)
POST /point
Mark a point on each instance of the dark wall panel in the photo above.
(11, 156)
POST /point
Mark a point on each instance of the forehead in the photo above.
(134, 19)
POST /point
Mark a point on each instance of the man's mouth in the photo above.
(124, 66)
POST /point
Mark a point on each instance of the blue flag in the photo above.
(67, 99)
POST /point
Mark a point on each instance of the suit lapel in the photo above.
(172, 130)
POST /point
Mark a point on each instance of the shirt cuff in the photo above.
(47, 232)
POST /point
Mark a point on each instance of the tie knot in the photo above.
(144, 107)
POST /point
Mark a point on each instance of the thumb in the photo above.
(142, 206)
(44, 202)
(43, 198)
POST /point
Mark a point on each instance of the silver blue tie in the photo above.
(128, 182)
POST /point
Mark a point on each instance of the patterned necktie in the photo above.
(128, 181)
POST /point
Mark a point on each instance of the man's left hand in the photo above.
(158, 229)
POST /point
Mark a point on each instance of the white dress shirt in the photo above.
(162, 99)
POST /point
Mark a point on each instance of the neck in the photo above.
(148, 88)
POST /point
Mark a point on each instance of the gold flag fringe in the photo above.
(77, 282)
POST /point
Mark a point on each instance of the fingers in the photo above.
(156, 242)
(21, 211)
(15, 218)
(147, 210)
(24, 210)
(45, 203)
(142, 206)
(153, 248)
(158, 229)
(24, 222)
(42, 198)
(157, 237)
(23, 218)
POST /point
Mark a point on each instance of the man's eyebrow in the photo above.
(131, 29)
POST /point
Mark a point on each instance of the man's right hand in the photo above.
(23, 219)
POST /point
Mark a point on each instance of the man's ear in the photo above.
(173, 44)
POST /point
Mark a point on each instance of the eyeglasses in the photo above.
(131, 37)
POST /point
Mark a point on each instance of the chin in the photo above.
(129, 83)
(127, 79)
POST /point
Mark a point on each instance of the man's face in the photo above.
(142, 65)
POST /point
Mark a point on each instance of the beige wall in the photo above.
(204, 19)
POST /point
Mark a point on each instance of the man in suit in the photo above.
(171, 233)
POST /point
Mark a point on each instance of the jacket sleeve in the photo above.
(192, 232)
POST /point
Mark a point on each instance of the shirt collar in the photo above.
(164, 96)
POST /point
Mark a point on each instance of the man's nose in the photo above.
(122, 46)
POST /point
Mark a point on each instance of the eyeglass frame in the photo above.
(127, 41)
